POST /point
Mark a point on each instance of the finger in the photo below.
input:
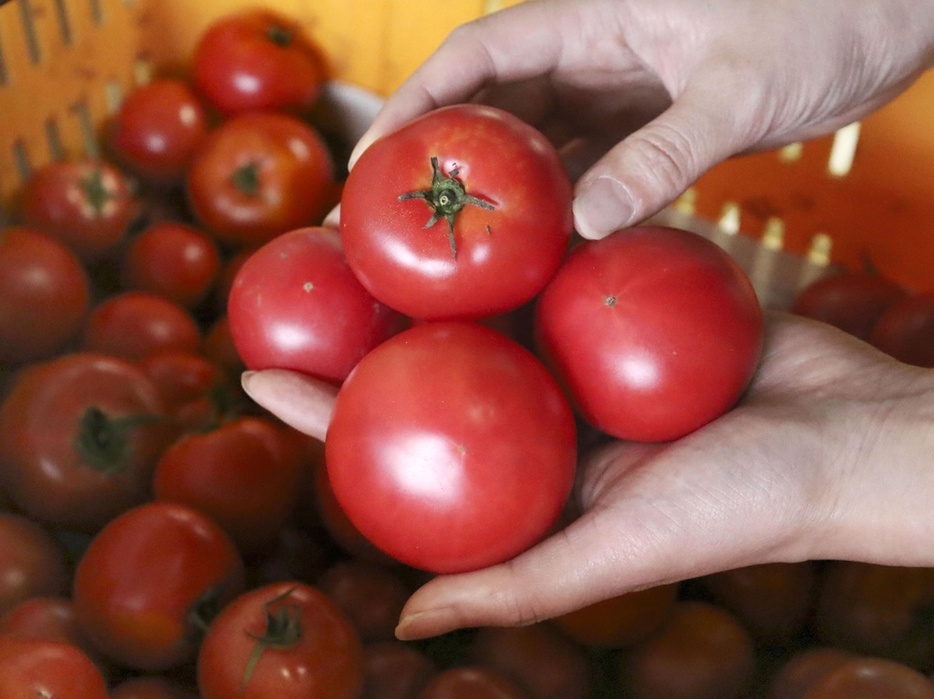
(654, 165)
(333, 219)
(520, 42)
(298, 400)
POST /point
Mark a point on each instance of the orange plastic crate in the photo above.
(65, 64)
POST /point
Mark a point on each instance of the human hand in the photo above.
(827, 456)
(643, 96)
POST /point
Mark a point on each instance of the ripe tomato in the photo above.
(536, 656)
(620, 621)
(773, 600)
(283, 640)
(701, 652)
(150, 580)
(32, 562)
(79, 438)
(258, 59)
(238, 474)
(395, 670)
(152, 687)
(497, 202)
(295, 304)
(654, 331)
(851, 301)
(451, 447)
(370, 596)
(34, 668)
(872, 678)
(906, 330)
(798, 673)
(86, 204)
(194, 390)
(258, 175)
(157, 130)
(173, 260)
(50, 618)
(135, 324)
(472, 682)
(38, 272)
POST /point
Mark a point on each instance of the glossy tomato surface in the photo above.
(655, 331)
(463, 213)
(295, 304)
(258, 175)
(151, 580)
(285, 640)
(35, 668)
(451, 447)
(258, 59)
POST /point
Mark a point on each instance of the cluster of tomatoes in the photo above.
(162, 537)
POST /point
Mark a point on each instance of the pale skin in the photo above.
(828, 455)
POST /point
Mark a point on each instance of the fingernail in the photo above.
(408, 627)
(246, 378)
(602, 207)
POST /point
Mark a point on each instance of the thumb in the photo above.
(655, 164)
(298, 400)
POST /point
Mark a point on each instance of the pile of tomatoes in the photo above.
(163, 537)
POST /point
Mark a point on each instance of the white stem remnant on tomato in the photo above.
(446, 197)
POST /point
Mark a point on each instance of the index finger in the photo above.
(516, 43)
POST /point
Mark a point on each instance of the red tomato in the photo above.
(655, 331)
(38, 272)
(173, 260)
(283, 640)
(50, 618)
(258, 59)
(472, 682)
(86, 204)
(79, 438)
(295, 304)
(798, 673)
(259, 175)
(537, 657)
(32, 562)
(370, 596)
(135, 324)
(395, 670)
(157, 130)
(194, 389)
(237, 474)
(906, 330)
(851, 301)
(218, 346)
(150, 580)
(872, 678)
(451, 447)
(620, 621)
(34, 668)
(701, 652)
(497, 202)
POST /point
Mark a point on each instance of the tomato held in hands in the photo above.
(258, 59)
(451, 447)
(463, 213)
(86, 204)
(654, 331)
(38, 272)
(79, 438)
(151, 580)
(285, 640)
(259, 175)
(295, 304)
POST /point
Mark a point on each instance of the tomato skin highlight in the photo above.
(655, 331)
(451, 447)
(504, 254)
(295, 304)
